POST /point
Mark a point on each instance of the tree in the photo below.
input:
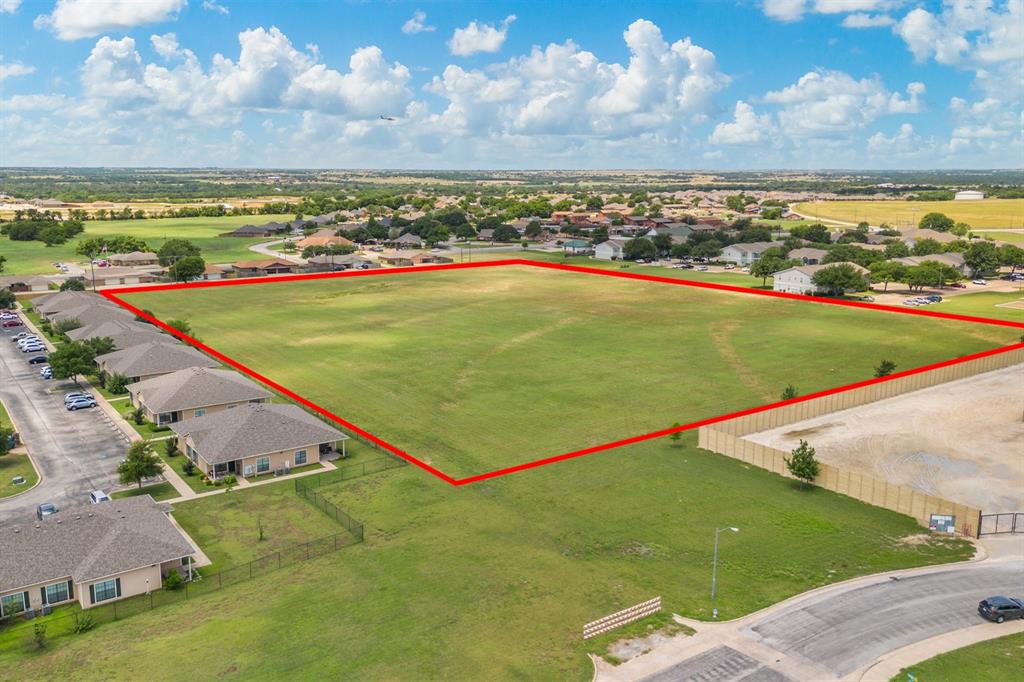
(3, 259)
(71, 359)
(789, 392)
(187, 268)
(802, 464)
(1011, 255)
(174, 250)
(7, 299)
(51, 235)
(885, 368)
(766, 266)
(505, 233)
(72, 285)
(939, 222)
(139, 464)
(927, 247)
(5, 439)
(710, 248)
(675, 436)
(887, 271)
(662, 244)
(66, 325)
(982, 258)
(839, 278)
(930, 274)
(639, 247)
(464, 232)
(848, 253)
(896, 249)
(813, 233)
(113, 244)
(116, 383)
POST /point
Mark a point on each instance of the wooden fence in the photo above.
(620, 618)
(726, 438)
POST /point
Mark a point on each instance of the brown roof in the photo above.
(263, 264)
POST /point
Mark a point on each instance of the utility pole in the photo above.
(714, 562)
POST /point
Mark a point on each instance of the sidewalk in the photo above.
(242, 483)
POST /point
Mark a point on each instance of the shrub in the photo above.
(173, 581)
(84, 622)
(171, 448)
(803, 465)
(188, 468)
(39, 635)
(116, 383)
(138, 416)
(229, 483)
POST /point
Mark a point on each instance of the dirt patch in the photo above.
(963, 440)
(721, 336)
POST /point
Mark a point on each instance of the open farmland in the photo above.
(494, 580)
(36, 258)
(480, 369)
(987, 213)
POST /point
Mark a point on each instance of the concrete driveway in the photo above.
(75, 452)
(841, 631)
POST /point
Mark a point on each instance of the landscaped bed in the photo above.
(11, 466)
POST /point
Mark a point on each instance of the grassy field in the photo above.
(997, 659)
(990, 213)
(16, 465)
(475, 370)
(1003, 235)
(985, 304)
(227, 526)
(37, 258)
(492, 581)
(158, 491)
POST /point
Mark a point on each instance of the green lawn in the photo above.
(159, 491)
(177, 463)
(996, 659)
(37, 258)
(226, 526)
(16, 465)
(5, 419)
(495, 580)
(985, 304)
(476, 370)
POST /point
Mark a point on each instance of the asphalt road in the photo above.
(75, 452)
(841, 632)
(721, 664)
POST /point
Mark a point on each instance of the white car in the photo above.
(31, 338)
(33, 348)
(97, 496)
(979, 282)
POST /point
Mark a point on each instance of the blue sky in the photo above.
(697, 84)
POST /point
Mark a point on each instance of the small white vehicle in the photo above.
(97, 496)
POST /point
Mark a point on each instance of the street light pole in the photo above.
(714, 563)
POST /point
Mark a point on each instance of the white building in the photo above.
(799, 279)
(745, 254)
(610, 250)
(968, 195)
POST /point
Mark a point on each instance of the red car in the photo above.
(12, 323)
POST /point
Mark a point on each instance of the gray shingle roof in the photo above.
(90, 542)
(62, 300)
(155, 357)
(196, 387)
(124, 334)
(93, 312)
(254, 429)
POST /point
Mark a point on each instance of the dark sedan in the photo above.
(998, 609)
(37, 360)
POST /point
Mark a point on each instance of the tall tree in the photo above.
(982, 258)
(839, 278)
(887, 271)
(139, 464)
(72, 359)
(187, 268)
(939, 222)
(174, 250)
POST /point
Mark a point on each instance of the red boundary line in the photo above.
(115, 297)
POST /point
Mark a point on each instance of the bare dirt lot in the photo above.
(963, 441)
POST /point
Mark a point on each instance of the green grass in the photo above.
(177, 463)
(5, 418)
(226, 525)
(12, 465)
(147, 429)
(996, 659)
(495, 580)
(37, 258)
(1003, 235)
(159, 491)
(985, 304)
(475, 370)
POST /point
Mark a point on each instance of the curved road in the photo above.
(836, 632)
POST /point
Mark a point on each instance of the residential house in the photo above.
(194, 392)
(573, 247)
(745, 254)
(25, 283)
(92, 554)
(96, 311)
(133, 258)
(610, 250)
(407, 241)
(800, 279)
(397, 259)
(61, 300)
(808, 255)
(213, 272)
(350, 261)
(952, 259)
(264, 267)
(486, 234)
(113, 276)
(429, 258)
(255, 439)
(123, 333)
(270, 229)
(324, 237)
(912, 236)
(152, 359)
(639, 221)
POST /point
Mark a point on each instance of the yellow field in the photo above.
(987, 213)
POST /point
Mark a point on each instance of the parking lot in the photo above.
(75, 452)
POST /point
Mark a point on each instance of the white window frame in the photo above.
(259, 468)
(199, 412)
(303, 455)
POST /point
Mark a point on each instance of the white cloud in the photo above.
(477, 37)
(785, 10)
(211, 6)
(166, 45)
(965, 33)
(33, 102)
(14, 69)
(861, 20)
(9, 6)
(794, 10)
(904, 143)
(826, 103)
(74, 19)
(747, 127)
(417, 24)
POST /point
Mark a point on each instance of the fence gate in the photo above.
(997, 524)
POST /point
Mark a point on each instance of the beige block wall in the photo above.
(132, 583)
(277, 459)
(190, 413)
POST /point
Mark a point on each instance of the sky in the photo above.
(684, 84)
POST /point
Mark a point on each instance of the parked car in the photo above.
(22, 335)
(8, 316)
(80, 404)
(46, 509)
(979, 282)
(76, 396)
(37, 360)
(958, 285)
(702, 268)
(8, 324)
(97, 496)
(36, 347)
(730, 266)
(46, 372)
(999, 609)
(935, 298)
(27, 339)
